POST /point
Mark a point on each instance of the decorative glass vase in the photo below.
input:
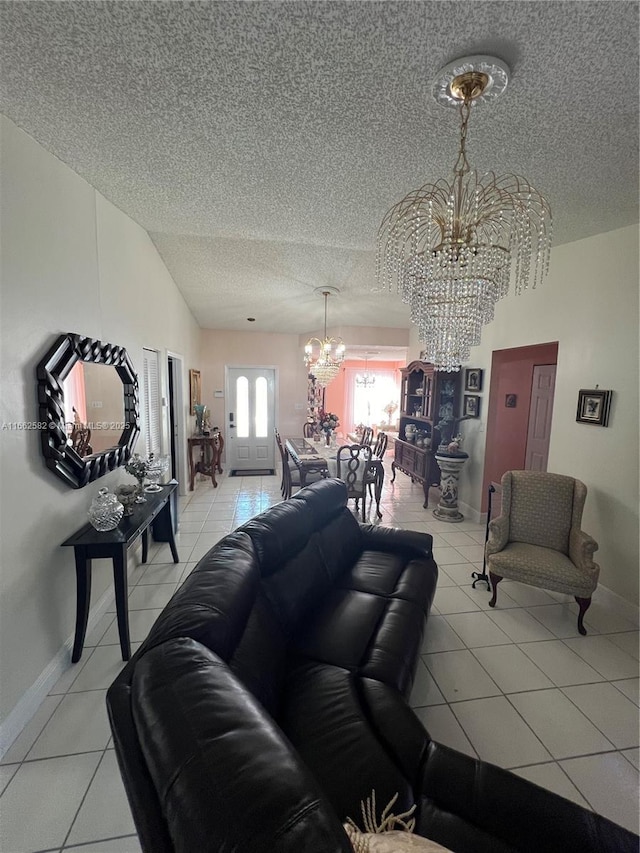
(105, 511)
(157, 467)
(327, 438)
(141, 498)
(127, 495)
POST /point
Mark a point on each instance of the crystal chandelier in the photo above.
(366, 380)
(450, 248)
(325, 366)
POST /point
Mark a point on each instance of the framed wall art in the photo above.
(195, 390)
(471, 406)
(473, 379)
(593, 407)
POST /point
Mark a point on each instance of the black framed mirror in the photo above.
(80, 407)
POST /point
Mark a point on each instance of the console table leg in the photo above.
(145, 544)
(121, 586)
(170, 534)
(192, 469)
(83, 600)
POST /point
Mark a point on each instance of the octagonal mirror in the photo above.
(88, 399)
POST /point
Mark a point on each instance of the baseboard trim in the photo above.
(470, 513)
(33, 697)
(625, 607)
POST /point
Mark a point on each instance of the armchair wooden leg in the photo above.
(583, 604)
(495, 580)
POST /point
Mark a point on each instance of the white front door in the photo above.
(250, 414)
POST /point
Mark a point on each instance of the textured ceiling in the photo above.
(261, 143)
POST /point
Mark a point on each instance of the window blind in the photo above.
(151, 400)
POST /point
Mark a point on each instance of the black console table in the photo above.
(91, 544)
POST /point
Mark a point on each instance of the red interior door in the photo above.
(510, 396)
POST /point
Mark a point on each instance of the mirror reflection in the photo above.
(93, 407)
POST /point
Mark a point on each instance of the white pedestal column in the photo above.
(450, 465)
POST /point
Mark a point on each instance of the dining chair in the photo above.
(308, 430)
(285, 485)
(367, 436)
(353, 462)
(290, 473)
(380, 447)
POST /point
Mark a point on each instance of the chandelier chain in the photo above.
(326, 365)
(462, 164)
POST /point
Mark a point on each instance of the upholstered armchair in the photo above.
(537, 539)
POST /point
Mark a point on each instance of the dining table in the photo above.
(312, 457)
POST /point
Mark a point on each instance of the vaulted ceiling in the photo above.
(261, 143)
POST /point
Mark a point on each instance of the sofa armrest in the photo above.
(194, 719)
(498, 535)
(581, 550)
(415, 545)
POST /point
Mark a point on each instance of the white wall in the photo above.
(589, 304)
(71, 262)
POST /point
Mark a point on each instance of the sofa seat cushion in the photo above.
(326, 717)
(371, 635)
(391, 575)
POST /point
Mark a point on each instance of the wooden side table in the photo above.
(211, 447)
(90, 544)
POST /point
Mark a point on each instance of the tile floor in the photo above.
(516, 686)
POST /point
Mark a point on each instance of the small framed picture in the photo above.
(593, 407)
(473, 379)
(471, 407)
(511, 401)
(195, 393)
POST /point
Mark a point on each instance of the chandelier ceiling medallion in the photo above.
(326, 364)
(366, 379)
(450, 248)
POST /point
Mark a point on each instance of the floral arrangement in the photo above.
(138, 467)
(329, 422)
(390, 408)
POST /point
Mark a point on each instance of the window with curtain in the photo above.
(366, 405)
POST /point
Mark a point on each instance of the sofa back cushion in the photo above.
(213, 604)
(260, 657)
(225, 776)
(340, 544)
(302, 545)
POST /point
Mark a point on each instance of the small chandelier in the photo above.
(451, 247)
(325, 366)
(366, 380)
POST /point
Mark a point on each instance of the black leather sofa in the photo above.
(269, 699)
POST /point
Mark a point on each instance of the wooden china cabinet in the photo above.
(427, 396)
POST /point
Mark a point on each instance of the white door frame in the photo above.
(276, 391)
(181, 439)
